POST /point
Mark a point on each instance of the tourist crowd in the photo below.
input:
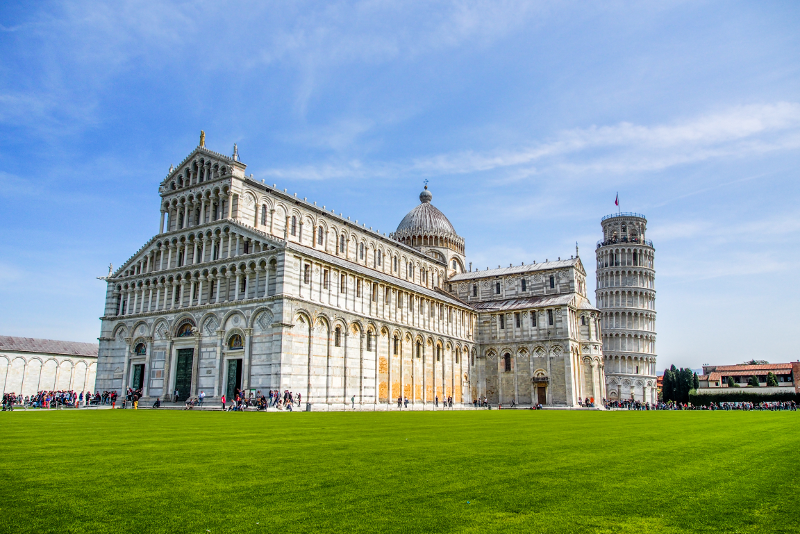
(55, 399)
(727, 406)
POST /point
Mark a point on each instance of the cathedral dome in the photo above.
(426, 225)
(425, 219)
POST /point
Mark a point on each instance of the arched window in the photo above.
(497, 287)
(140, 349)
(185, 330)
(438, 353)
(457, 356)
(369, 341)
(320, 236)
(474, 290)
(264, 215)
(294, 225)
(552, 281)
(455, 264)
(507, 362)
(337, 337)
(394, 347)
(361, 251)
(419, 349)
(341, 244)
(583, 320)
(235, 342)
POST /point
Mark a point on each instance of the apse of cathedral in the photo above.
(247, 288)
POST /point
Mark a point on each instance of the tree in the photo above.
(755, 362)
(772, 380)
(668, 385)
(731, 383)
(753, 381)
(696, 382)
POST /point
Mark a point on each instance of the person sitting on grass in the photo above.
(157, 403)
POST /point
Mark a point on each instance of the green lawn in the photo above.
(126, 471)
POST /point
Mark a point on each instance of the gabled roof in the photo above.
(520, 269)
(203, 151)
(727, 369)
(48, 346)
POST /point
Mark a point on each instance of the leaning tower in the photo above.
(626, 296)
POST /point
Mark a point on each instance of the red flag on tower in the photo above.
(616, 202)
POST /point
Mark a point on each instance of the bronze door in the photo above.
(183, 373)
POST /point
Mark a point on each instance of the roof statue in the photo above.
(202, 139)
(235, 156)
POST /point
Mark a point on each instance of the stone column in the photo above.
(126, 365)
(248, 337)
(271, 220)
(361, 371)
(255, 286)
(219, 287)
(161, 227)
(346, 334)
(191, 293)
(147, 372)
(516, 383)
(236, 250)
(171, 247)
(229, 205)
(238, 283)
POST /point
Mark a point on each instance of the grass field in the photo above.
(126, 471)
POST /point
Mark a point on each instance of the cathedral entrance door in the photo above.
(541, 394)
(183, 373)
(234, 381)
(138, 377)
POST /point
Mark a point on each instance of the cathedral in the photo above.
(246, 287)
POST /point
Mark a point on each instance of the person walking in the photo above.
(223, 402)
(353, 401)
(200, 398)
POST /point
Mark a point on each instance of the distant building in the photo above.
(28, 365)
(716, 376)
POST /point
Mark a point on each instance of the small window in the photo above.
(337, 337)
(497, 288)
(438, 353)
(456, 356)
(395, 343)
(524, 284)
(379, 253)
(306, 274)
(341, 244)
(320, 235)
(550, 317)
(395, 264)
(140, 349)
(502, 321)
(369, 341)
(583, 320)
(533, 318)
(454, 264)
(552, 281)
(507, 362)
(361, 251)
(264, 215)
(358, 287)
(516, 319)
(235, 342)
(325, 279)
(294, 225)
(243, 284)
(474, 290)
(343, 284)
(374, 292)
(419, 349)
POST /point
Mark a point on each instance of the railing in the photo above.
(625, 240)
(623, 214)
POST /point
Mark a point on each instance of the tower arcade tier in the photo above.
(626, 297)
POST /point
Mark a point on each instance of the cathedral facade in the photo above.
(246, 287)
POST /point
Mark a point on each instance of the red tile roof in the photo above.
(48, 346)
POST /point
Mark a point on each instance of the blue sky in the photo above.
(525, 117)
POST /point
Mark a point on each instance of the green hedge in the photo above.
(741, 396)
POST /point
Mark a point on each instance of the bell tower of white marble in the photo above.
(626, 296)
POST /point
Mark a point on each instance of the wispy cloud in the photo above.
(622, 148)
